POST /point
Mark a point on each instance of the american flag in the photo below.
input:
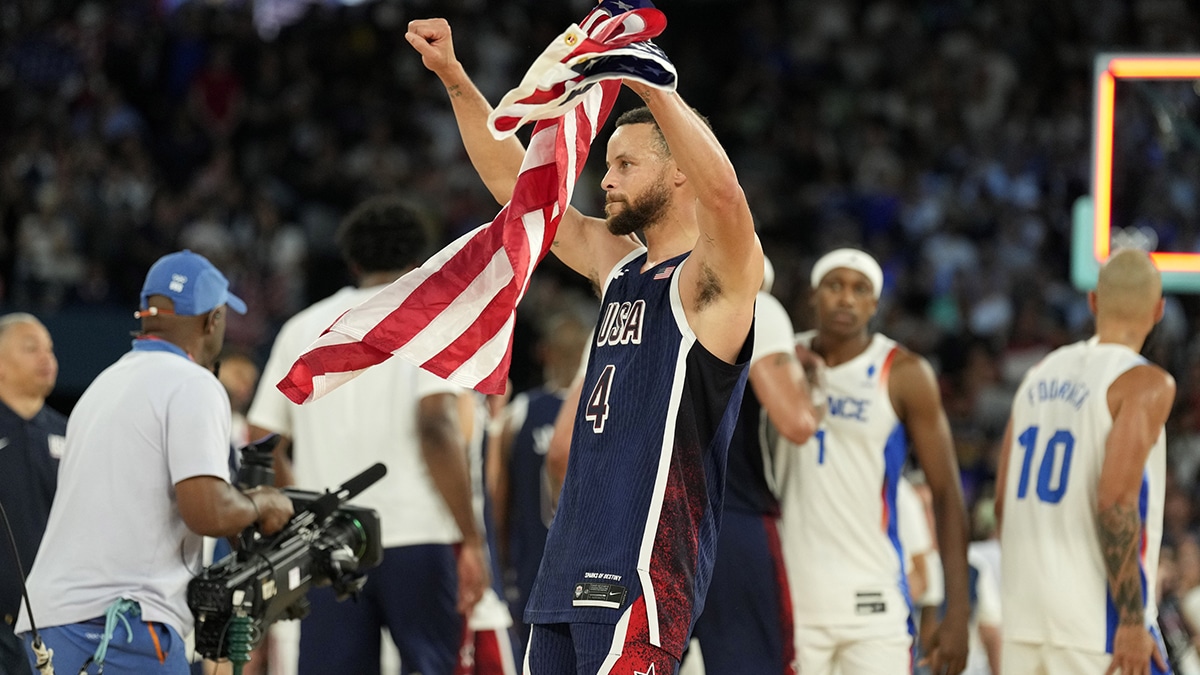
(454, 315)
(612, 42)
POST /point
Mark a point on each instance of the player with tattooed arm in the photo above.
(1080, 492)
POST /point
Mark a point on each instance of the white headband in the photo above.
(850, 258)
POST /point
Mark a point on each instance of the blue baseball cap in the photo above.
(191, 282)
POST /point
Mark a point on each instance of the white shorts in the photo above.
(875, 649)
(1028, 658)
(1024, 658)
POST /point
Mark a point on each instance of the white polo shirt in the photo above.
(149, 421)
(372, 419)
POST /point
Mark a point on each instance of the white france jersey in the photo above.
(839, 531)
(1054, 581)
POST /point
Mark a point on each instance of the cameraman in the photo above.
(143, 476)
(408, 419)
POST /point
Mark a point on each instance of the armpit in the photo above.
(708, 288)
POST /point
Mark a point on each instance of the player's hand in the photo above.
(473, 576)
(496, 402)
(814, 375)
(947, 653)
(812, 363)
(274, 508)
(432, 40)
(1133, 648)
(643, 90)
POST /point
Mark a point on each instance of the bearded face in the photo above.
(641, 212)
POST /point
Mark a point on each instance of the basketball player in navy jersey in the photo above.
(746, 625)
(630, 552)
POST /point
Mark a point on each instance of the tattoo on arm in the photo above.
(1120, 531)
(455, 90)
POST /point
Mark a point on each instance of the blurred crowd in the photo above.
(950, 138)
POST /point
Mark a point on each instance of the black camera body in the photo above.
(327, 542)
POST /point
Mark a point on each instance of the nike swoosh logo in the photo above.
(3, 443)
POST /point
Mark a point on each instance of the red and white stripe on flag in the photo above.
(454, 315)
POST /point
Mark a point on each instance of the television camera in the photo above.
(327, 542)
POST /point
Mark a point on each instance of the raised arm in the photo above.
(497, 162)
(582, 243)
(915, 396)
(1140, 401)
(725, 269)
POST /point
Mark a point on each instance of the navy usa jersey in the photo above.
(634, 538)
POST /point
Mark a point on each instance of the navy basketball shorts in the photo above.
(746, 624)
(413, 593)
(593, 649)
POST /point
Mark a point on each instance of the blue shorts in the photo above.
(413, 593)
(746, 625)
(155, 647)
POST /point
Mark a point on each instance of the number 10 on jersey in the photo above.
(1061, 441)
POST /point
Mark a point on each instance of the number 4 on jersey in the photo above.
(596, 411)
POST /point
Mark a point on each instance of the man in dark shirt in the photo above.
(31, 441)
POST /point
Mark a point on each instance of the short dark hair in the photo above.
(642, 115)
(383, 234)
